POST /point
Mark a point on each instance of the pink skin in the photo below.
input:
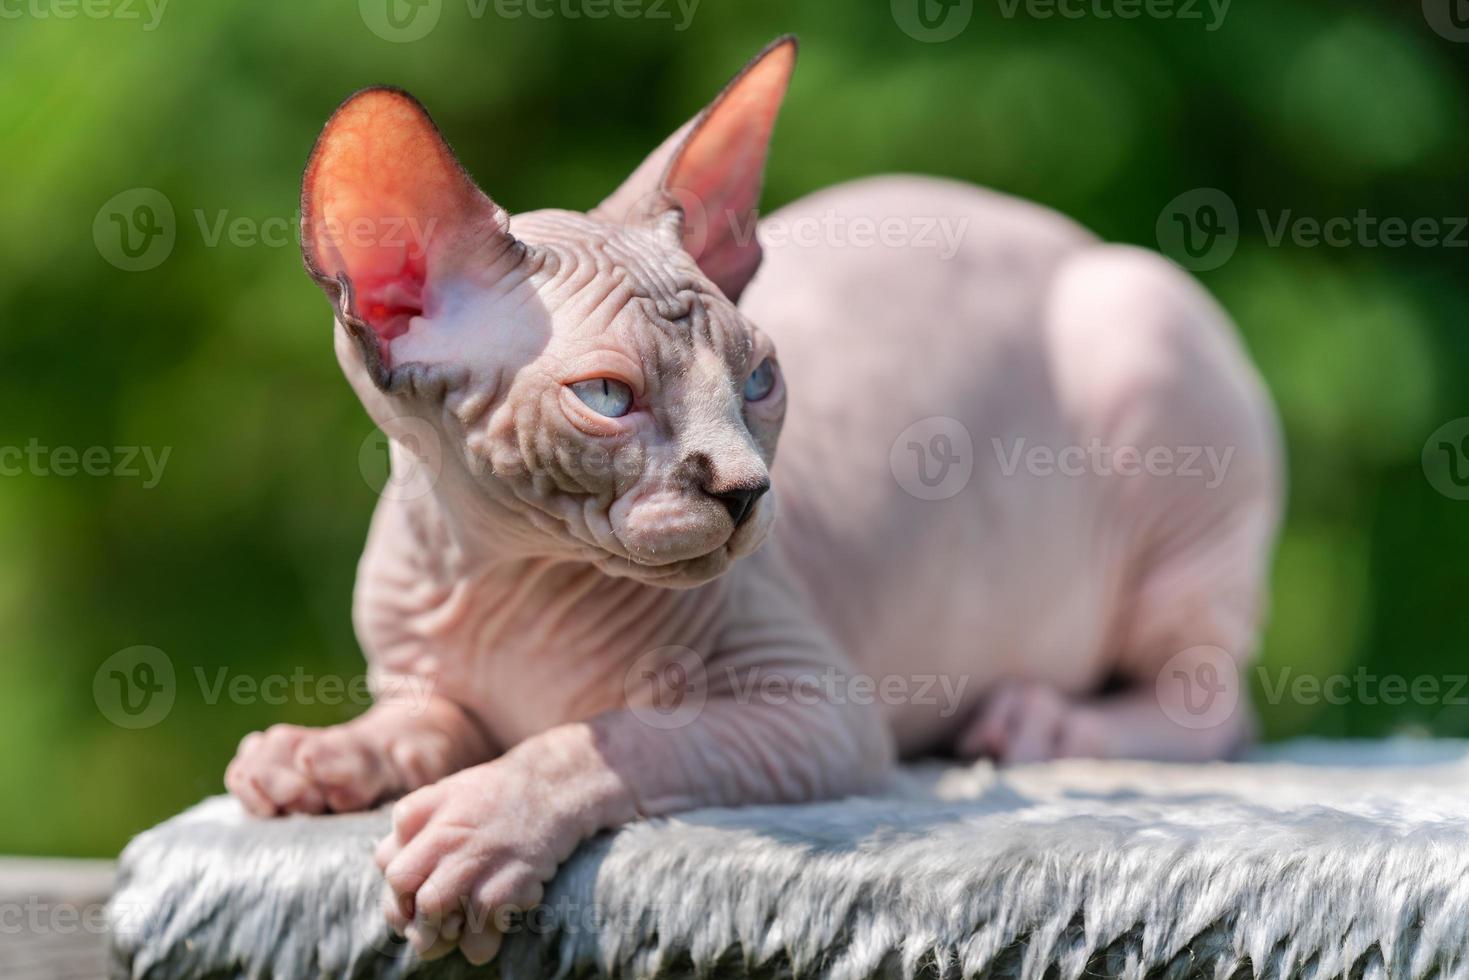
(603, 638)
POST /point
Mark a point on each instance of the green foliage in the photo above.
(241, 558)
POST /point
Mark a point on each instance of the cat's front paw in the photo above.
(290, 769)
(1022, 721)
(392, 749)
(466, 851)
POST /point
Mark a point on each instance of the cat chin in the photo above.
(686, 573)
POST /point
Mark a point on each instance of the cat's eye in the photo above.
(761, 381)
(605, 396)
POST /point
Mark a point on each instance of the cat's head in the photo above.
(587, 384)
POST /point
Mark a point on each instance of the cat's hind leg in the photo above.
(1146, 364)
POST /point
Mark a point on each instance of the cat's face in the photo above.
(606, 394)
(595, 392)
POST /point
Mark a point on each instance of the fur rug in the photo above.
(1314, 860)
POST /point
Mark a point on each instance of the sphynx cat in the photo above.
(585, 580)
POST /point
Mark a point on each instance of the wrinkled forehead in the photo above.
(608, 283)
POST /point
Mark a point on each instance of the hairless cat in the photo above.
(588, 406)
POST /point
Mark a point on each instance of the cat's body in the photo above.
(1019, 575)
(573, 557)
(1033, 336)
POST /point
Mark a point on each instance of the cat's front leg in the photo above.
(393, 748)
(467, 849)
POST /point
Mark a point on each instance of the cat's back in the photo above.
(861, 263)
(895, 299)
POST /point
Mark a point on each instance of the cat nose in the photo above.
(740, 501)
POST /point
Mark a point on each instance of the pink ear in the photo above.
(387, 208)
(714, 168)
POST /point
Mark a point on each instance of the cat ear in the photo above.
(388, 215)
(711, 171)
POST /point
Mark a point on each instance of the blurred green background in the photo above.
(241, 558)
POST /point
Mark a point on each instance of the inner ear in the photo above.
(722, 166)
(712, 169)
(388, 214)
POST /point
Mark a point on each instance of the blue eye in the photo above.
(761, 381)
(605, 396)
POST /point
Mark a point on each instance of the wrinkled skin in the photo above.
(606, 638)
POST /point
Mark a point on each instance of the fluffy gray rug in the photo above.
(1313, 861)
